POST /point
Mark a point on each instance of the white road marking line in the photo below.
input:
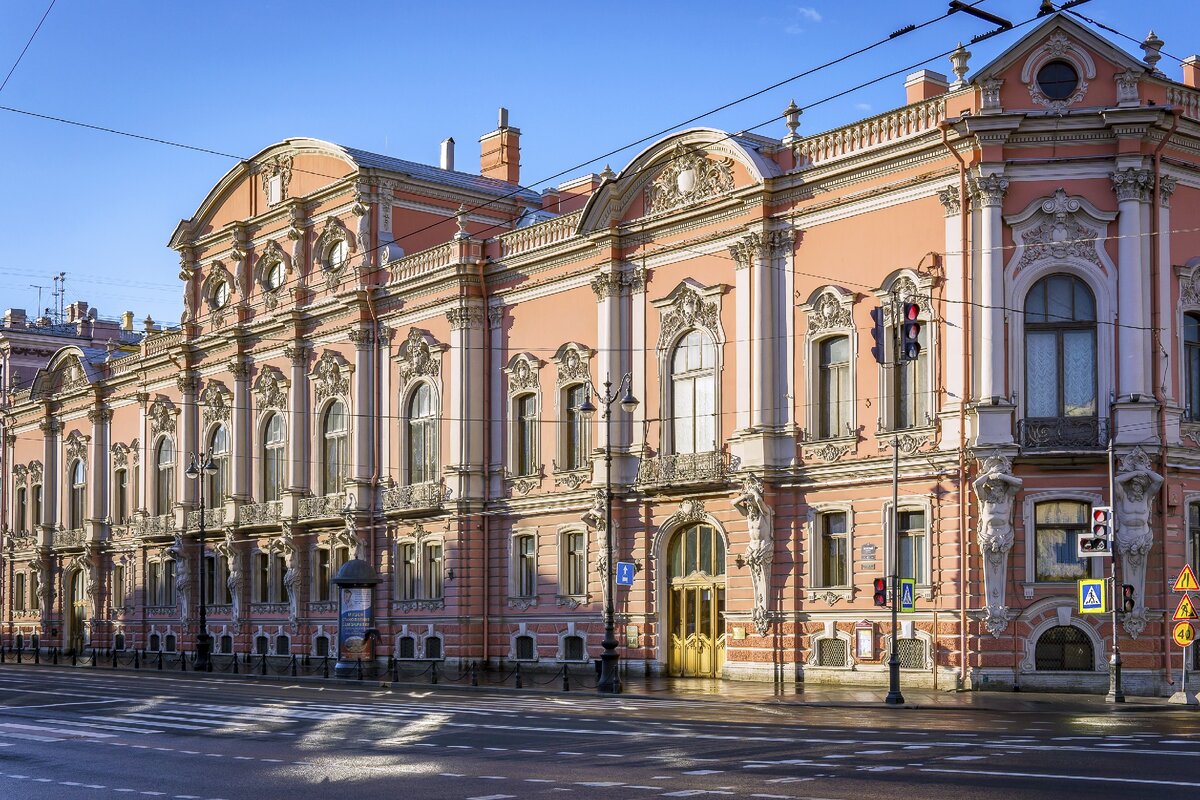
(97, 725)
(965, 758)
(30, 737)
(131, 719)
(1053, 777)
(703, 772)
(43, 729)
(492, 797)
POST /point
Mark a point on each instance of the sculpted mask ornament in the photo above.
(995, 489)
(687, 310)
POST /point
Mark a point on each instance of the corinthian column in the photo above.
(988, 191)
(1133, 188)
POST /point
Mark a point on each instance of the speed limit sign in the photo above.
(1184, 633)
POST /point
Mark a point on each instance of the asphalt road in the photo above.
(67, 734)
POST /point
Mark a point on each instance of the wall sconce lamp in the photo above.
(740, 561)
(450, 574)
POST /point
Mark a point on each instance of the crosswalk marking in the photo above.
(131, 720)
(122, 728)
(68, 732)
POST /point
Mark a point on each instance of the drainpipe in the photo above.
(1156, 359)
(484, 519)
(963, 501)
(375, 384)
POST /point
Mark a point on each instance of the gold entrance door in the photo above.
(76, 613)
(696, 603)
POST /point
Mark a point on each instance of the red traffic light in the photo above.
(1128, 601)
(881, 592)
(910, 332)
(1101, 515)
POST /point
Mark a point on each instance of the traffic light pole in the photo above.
(894, 697)
(1115, 693)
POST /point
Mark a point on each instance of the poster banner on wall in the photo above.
(355, 618)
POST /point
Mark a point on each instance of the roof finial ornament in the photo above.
(461, 218)
(958, 63)
(1151, 46)
(791, 118)
(607, 173)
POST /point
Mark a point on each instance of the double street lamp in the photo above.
(610, 679)
(201, 468)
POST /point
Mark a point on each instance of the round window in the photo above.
(220, 295)
(275, 276)
(337, 255)
(1057, 80)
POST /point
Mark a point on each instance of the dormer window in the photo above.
(219, 296)
(1058, 80)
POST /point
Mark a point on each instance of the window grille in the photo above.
(260, 645)
(831, 653)
(433, 647)
(282, 645)
(911, 652)
(524, 648)
(169, 643)
(573, 648)
(408, 647)
(1064, 647)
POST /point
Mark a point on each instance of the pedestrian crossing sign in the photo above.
(1091, 596)
(908, 595)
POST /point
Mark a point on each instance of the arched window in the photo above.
(164, 478)
(1060, 349)
(218, 483)
(1064, 647)
(525, 446)
(1191, 365)
(833, 387)
(272, 478)
(693, 394)
(422, 436)
(334, 448)
(575, 438)
(75, 512)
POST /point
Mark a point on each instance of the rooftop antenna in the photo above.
(60, 296)
(38, 307)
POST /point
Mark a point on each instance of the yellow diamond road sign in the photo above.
(1091, 596)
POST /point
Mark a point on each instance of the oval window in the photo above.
(337, 256)
(275, 276)
(220, 294)
(1057, 80)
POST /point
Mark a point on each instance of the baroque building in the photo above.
(394, 362)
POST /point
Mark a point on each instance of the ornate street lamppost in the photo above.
(610, 679)
(201, 471)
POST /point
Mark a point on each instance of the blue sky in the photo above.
(580, 79)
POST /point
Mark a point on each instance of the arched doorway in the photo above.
(76, 609)
(696, 602)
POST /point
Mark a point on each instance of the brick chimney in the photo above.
(925, 84)
(1191, 72)
(500, 152)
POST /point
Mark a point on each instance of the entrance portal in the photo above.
(76, 608)
(696, 602)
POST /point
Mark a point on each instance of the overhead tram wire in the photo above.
(25, 49)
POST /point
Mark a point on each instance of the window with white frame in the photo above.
(21, 510)
(1060, 349)
(422, 435)
(273, 458)
(35, 518)
(431, 566)
(75, 504)
(910, 383)
(1056, 524)
(121, 496)
(694, 394)
(215, 570)
(833, 549)
(575, 427)
(335, 448)
(218, 444)
(572, 564)
(833, 387)
(35, 595)
(19, 592)
(420, 573)
(1191, 366)
(160, 582)
(525, 424)
(116, 592)
(912, 538)
(407, 573)
(335, 255)
(524, 565)
(153, 583)
(164, 477)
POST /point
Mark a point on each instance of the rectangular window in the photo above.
(117, 591)
(433, 571)
(408, 571)
(35, 596)
(279, 591)
(575, 444)
(153, 582)
(1056, 524)
(121, 498)
(19, 513)
(526, 566)
(210, 579)
(574, 564)
(223, 591)
(274, 189)
(321, 573)
(912, 390)
(525, 408)
(19, 592)
(168, 582)
(36, 518)
(835, 554)
(262, 578)
(833, 387)
(913, 558)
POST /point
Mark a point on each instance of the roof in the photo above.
(425, 172)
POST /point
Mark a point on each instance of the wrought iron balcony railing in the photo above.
(430, 496)
(321, 507)
(681, 469)
(260, 513)
(213, 518)
(1063, 433)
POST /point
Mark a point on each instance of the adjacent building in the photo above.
(408, 364)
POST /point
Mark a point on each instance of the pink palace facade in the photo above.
(388, 361)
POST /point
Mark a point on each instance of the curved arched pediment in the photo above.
(67, 370)
(684, 169)
(296, 166)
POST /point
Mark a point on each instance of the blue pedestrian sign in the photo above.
(1091, 596)
(625, 573)
(908, 595)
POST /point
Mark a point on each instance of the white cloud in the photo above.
(808, 13)
(802, 15)
(862, 106)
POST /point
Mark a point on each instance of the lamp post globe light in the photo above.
(610, 678)
(200, 468)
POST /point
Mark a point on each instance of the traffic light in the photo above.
(910, 332)
(878, 335)
(881, 599)
(1127, 598)
(1098, 540)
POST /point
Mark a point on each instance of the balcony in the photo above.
(270, 609)
(416, 498)
(161, 525)
(322, 608)
(75, 537)
(714, 467)
(326, 506)
(1063, 433)
(261, 513)
(213, 518)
